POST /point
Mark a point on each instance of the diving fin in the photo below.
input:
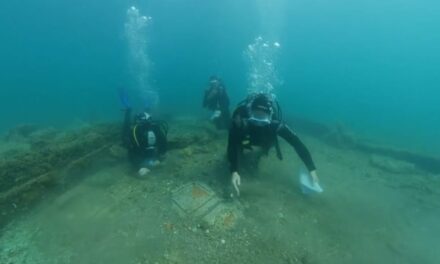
(123, 98)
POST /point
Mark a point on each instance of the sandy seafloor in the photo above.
(365, 215)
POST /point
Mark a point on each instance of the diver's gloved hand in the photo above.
(155, 163)
(123, 98)
(314, 176)
(143, 171)
(216, 114)
(151, 163)
(236, 182)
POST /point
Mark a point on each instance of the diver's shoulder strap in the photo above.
(134, 135)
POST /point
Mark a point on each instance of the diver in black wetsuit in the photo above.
(216, 99)
(257, 122)
(145, 139)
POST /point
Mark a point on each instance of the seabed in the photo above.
(71, 197)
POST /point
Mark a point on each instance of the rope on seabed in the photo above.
(16, 190)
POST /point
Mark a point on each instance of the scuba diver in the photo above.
(216, 99)
(145, 138)
(257, 121)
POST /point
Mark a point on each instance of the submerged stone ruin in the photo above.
(197, 201)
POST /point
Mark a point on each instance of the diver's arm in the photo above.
(209, 97)
(233, 148)
(236, 134)
(287, 134)
(224, 100)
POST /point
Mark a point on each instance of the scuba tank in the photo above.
(151, 139)
(151, 149)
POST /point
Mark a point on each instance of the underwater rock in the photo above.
(118, 152)
(341, 137)
(187, 152)
(392, 165)
(189, 133)
(42, 137)
(21, 131)
(45, 133)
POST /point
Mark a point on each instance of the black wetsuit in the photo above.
(219, 101)
(242, 135)
(135, 139)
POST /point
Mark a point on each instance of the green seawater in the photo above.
(366, 70)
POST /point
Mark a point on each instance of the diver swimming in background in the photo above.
(257, 121)
(216, 99)
(145, 139)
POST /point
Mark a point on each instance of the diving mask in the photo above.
(259, 118)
